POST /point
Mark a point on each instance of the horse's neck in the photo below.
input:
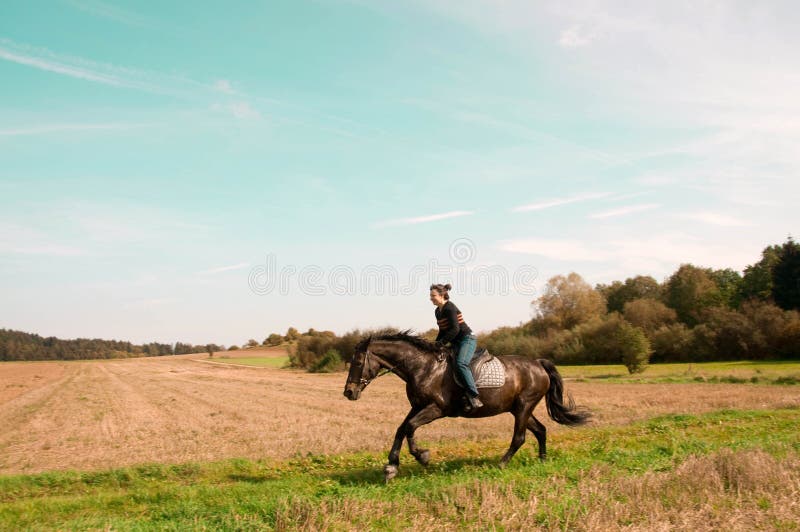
(408, 361)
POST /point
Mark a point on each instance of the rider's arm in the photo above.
(448, 334)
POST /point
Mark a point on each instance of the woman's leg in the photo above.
(465, 352)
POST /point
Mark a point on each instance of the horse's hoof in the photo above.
(502, 465)
(423, 457)
(542, 457)
(389, 472)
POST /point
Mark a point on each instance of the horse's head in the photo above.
(363, 368)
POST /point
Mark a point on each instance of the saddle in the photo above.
(487, 370)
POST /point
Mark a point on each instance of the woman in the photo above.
(453, 330)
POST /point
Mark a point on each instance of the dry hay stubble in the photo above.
(101, 414)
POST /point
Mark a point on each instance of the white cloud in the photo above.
(240, 110)
(713, 218)
(43, 129)
(716, 81)
(243, 110)
(149, 303)
(574, 37)
(622, 211)
(17, 239)
(221, 269)
(112, 12)
(546, 204)
(658, 254)
(224, 86)
(61, 68)
(569, 250)
(103, 73)
(423, 219)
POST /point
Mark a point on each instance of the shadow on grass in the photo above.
(370, 476)
(253, 479)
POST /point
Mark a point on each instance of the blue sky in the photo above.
(156, 158)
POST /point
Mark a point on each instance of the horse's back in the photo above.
(526, 372)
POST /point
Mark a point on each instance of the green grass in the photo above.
(249, 495)
(262, 362)
(759, 372)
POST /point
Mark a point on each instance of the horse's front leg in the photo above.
(423, 456)
(390, 469)
(415, 419)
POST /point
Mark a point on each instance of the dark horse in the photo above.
(433, 393)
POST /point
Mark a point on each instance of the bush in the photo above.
(593, 342)
(735, 336)
(671, 343)
(704, 343)
(273, 340)
(513, 341)
(601, 341)
(330, 361)
(634, 347)
(311, 347)
(789, 343)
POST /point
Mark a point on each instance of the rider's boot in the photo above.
(473, 402)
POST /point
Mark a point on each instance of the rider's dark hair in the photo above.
(443, 289)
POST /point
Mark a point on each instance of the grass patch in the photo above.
(739, 372)
(261, 362)
(460, 489)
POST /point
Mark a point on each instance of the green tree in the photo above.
(648, 314)
(757, 279)
(786, 276)
(639, 287)
(291, 335)
(728, 284)
(569, 301)
(273, 340)
(688, 291)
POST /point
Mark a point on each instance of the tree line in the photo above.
(696, 314)
(18, 345)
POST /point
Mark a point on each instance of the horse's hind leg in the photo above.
(540, 431)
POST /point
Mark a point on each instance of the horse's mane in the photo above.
(403, 336)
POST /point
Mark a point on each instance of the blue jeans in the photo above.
(466, 350)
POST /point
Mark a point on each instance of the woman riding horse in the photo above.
(454, 330)
(433, 392)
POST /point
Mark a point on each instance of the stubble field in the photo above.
(93, 415)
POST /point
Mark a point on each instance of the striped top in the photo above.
(452, 327)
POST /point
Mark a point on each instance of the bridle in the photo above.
(364, 382)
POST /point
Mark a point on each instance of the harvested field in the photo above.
(91, 415)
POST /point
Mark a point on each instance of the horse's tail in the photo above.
(566, 414)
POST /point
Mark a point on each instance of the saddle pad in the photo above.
(492, 374)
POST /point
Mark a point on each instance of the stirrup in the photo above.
(471, 403)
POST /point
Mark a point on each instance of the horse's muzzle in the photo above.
(351, 391)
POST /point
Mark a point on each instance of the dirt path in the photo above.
(102, 414)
